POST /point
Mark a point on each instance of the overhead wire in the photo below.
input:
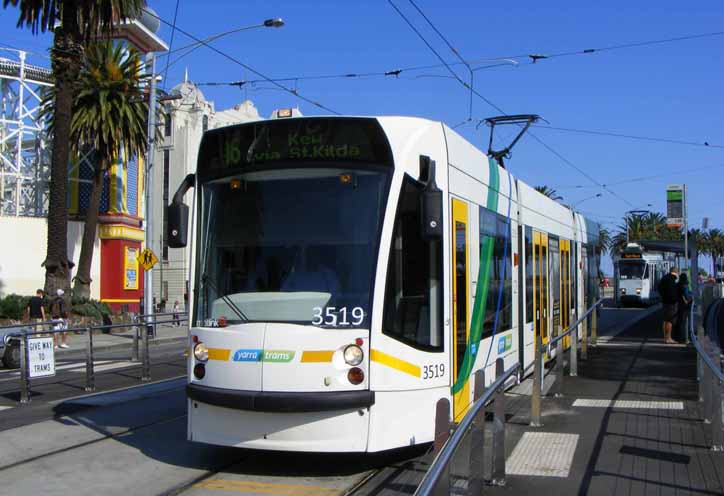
(454, 51)
(704, 144)
(170, 43)
(242, 64)
(499, 109)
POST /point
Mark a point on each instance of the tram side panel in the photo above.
(410, 341)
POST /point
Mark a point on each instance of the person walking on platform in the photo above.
(58, 312)
(669, 297)
(684, 300)
(36, 310)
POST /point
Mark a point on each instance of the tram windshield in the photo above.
(296, 245)
(631, 270)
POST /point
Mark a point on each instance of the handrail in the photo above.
(573, 326)
(448, 449)
(700, 350)
(30, 324)
(23, 332)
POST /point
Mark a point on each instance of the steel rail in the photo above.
(573, 326)
(700, 349)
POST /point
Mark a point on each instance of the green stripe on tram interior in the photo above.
(481, 296)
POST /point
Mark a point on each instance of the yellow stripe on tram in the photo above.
(395, 363)
(319, 356)
(220, 354)
(267, 488)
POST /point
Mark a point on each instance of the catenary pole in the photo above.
(147, 274)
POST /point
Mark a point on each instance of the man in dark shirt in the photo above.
(669, 297)
(35, 309)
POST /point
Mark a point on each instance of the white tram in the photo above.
(348, 273)
(637, 276)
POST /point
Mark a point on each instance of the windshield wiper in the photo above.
(206, 279)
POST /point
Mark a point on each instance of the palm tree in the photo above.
(716, 247)
(640, 226)
(549, 192)
(73, 23)
(604, 240)
(109, 116)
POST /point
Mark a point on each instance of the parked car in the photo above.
(10, 346)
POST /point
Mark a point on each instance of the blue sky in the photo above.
(669, 90)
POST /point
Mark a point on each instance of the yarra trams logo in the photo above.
(278, 356)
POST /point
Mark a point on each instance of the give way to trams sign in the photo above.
(41, 357)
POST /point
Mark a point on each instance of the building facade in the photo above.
(183, 123)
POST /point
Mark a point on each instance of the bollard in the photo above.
(715, 385)
(90, 379)
(559, 371)
(498, 472)
(477, 440)
(442, 424)
(706, 380)
(134, 349)
(594, 326)
(24, 372)
(574, 353)
(146, 365)
(584, 342)
(535, 392)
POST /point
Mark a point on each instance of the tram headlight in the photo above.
(353, 355)
(623, 290)
(201, 352)
(638, 291)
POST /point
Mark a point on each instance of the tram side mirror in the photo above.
(178, 221)
(177, 215)
(431, 201)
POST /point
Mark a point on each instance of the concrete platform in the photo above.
(629, 424)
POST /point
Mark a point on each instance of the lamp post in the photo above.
(276, 22)
(597, 195)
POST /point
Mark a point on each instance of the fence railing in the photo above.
(143, 327)
(448, 472)
(703, 331)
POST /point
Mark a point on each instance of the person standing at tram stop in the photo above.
(669, 298)
(35, 309)
(57, 311)
(684, 300)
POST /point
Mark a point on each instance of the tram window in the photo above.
(494, 238)
(528, 274)
(413, 295)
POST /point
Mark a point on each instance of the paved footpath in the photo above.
(629, 424)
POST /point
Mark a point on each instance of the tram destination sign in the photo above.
(315, 140)
(675, 205)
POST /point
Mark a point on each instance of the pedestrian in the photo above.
(669, 298)
(36, 309)
(684, 300)
(58, 313)
(176, 312)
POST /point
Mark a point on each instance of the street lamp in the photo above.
(275, 22)
(597, 195)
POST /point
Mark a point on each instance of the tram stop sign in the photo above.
(147, 259)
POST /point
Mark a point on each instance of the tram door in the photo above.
(461, 298)
(540, 284)
(566, 296)
(554, 260)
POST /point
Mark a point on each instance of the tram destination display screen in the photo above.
(316, 140)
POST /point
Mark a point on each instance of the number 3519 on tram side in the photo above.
(340, 271)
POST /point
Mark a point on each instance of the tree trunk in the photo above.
(83, 278)
(65, 60)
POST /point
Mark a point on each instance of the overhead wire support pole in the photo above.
(147, 275)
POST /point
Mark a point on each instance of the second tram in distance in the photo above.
(348, 273)
(637, 276)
